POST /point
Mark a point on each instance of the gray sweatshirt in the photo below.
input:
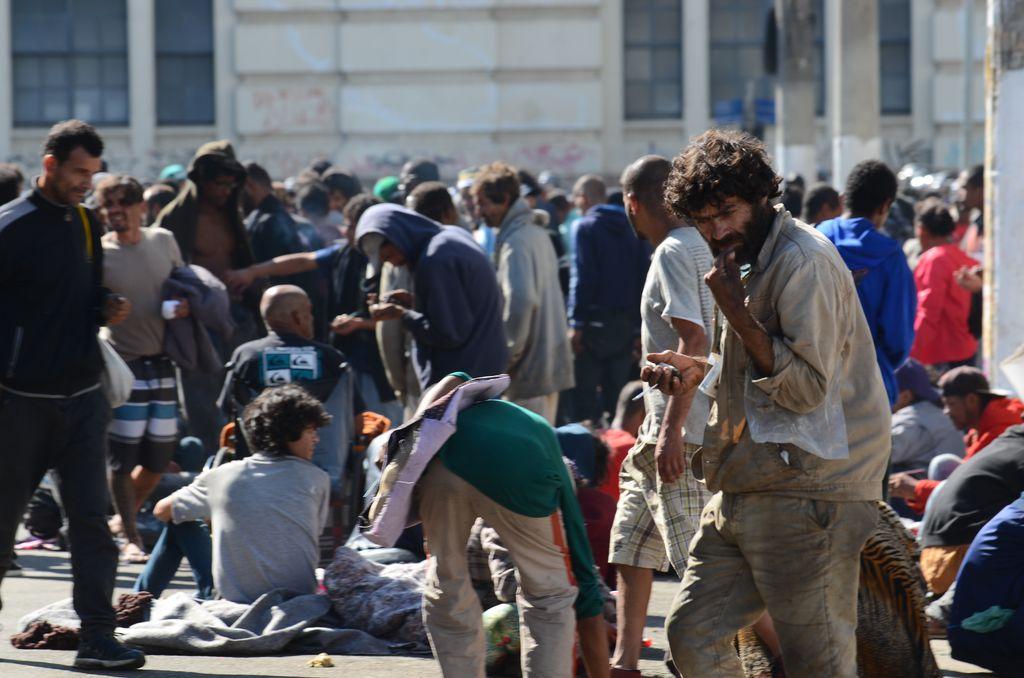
(267, 514)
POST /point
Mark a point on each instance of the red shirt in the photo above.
(620, 443)
(941, 334)
(999, 415)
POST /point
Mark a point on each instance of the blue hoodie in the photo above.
(885, 286)
(457, 325)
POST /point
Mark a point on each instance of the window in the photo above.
(653, 59)
(70, 59)
(894, 56)
(184, 62)
(736, 56)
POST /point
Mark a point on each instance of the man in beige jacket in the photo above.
(540, 359)
(798, 435)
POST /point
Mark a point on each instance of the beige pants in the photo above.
(449, 506)
(799, 558)
(545, 405)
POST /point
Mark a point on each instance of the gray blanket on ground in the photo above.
(276, 622)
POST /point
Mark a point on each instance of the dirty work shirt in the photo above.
(675, 288)
(267, 514)
(512, 456)
(801, 292)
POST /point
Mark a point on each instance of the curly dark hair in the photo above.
(935, 218)
(718, 165)
(871, 185)
(279, 415)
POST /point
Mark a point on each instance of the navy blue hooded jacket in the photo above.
(457, 324)
(610, 267)
(885, 286)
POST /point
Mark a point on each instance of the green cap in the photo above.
(386, 188)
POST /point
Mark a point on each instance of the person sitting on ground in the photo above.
(920, 429)
(990, 588)
(267, 511)
(630, 413)
(972, 495)
(983, 413)
(289, 354)
(504, 464)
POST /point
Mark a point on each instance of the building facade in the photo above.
(568, 86)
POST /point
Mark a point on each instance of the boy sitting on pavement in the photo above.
(267, 510)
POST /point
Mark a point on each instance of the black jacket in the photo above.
(51, 297)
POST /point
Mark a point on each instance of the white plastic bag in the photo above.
(117, 380)
(821, 432)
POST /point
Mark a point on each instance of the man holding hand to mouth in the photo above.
(798, 435)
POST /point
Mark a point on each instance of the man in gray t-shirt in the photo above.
(266, 511)
(659, 501)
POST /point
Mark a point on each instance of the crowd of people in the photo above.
(709, 368)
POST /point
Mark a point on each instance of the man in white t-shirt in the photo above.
(659, 503)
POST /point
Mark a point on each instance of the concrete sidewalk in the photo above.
(47, 578)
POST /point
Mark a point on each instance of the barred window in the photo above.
(184, 62)
(653, 59)
(70, 59)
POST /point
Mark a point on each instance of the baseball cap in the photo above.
(962, 381)
(912, 376)
(369, 245)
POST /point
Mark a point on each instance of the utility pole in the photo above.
(853, 75)
(794, 89)
(1004, 185)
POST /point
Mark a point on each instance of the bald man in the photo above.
(290, 355)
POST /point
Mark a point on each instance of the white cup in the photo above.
(169, 309)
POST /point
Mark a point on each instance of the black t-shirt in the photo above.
(976, 491)
(276, 360)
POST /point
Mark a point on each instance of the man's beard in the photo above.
(747, 244)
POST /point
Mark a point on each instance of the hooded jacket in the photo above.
(456, 325)
(181, 215)
(540, 359)
(885, 287)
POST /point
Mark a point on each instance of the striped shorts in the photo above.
(145, 429)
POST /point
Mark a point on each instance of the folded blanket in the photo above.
(410, 448)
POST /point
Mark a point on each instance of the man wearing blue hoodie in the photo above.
(609, 269)
(455, 317)
(884, 282)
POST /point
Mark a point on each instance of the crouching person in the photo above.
(504, 464)
(267, 510)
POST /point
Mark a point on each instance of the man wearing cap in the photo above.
(920, 429)
(972, 406)
(455, 316)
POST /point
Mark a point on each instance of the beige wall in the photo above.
(371, 83)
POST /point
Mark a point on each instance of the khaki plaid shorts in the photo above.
(655, 521)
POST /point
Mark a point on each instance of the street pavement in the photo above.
(47, 578)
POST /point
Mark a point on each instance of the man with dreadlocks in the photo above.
(798, 436)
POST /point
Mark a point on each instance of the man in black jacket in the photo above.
(52, 410)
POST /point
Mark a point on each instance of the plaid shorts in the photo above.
(655, 521)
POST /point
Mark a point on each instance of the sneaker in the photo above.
(106, 652)
(14, 569)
